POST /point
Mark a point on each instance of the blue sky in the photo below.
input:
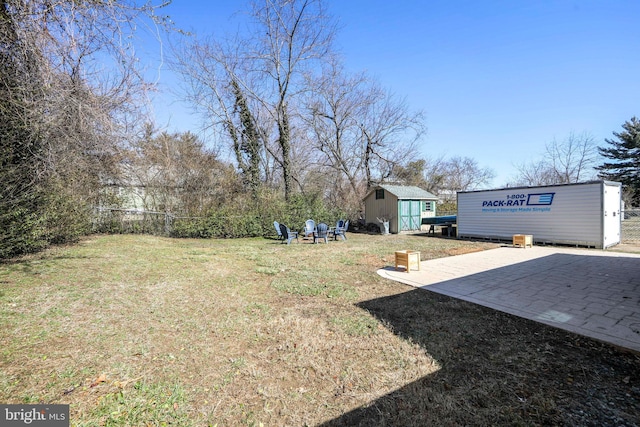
(497, 80)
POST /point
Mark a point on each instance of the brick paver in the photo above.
(590, 292)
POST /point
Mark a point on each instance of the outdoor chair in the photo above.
(322, 232)
(338, 226)
(277, 227)
(288, 235)
(309, 228)
(341, 230)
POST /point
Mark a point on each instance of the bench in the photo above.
(446, 227)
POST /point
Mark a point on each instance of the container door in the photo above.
(612, 220)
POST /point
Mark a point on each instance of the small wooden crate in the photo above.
(408, 259)
(523, 240)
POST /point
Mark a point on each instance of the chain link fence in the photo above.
(631, 226)
(138, 221)
(162, 223)
(125, 221)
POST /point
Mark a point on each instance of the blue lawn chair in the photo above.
(341, 230)
(322, 232)
(288, 235)
(276, 225)
(309, 228)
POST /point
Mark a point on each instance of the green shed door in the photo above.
(410, 214)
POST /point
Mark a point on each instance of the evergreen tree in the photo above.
(624, 153)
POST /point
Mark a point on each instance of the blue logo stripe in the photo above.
(540, 199)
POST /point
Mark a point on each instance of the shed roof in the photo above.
(406, 192)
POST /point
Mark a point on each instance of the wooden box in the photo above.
(523, 240)
(408, 259)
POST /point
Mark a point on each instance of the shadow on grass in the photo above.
(33, 266)
(499, 369)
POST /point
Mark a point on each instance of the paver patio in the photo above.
(591, 292)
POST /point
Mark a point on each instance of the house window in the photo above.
(379, 194)
(427, 207)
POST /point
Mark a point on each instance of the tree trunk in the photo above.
(284, 139)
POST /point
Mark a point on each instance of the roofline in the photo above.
(524, 187)
(396, 185)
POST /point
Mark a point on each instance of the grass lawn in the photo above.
(142, 330)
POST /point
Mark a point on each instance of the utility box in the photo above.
(583, 214)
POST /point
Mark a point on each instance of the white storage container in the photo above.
(584, 214)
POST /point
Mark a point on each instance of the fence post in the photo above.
(168, 219)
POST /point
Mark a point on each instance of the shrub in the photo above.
(255, 218)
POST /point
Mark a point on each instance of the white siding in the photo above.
(430, 212)
(570, 214)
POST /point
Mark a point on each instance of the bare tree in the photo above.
(428, 173)
(444, 177)
(178, 174)
(563, 162)
(534, 173)
(335, 109)
(289, 39)
(212, 72)
(361, 132)
(389, 133)
(435, 174)
(464, 174)
(71, 88)
(572, 160)
(413, 173)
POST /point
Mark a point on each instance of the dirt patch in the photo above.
(628, 247)
(461, 251)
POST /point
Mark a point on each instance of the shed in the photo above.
(403, 206)
(582, 214)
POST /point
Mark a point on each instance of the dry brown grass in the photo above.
(140, 330)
